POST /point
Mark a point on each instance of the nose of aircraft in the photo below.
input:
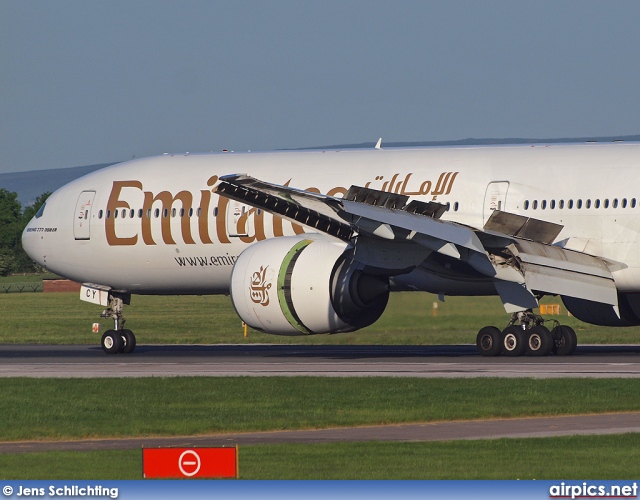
(33, 240)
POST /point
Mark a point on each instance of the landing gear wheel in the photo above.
(111, 342)
(514, 341)
(540, 341)
(128, 341)
(489, 342)
(564, 340)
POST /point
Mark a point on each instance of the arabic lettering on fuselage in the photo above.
(118, 201)
(400, 185)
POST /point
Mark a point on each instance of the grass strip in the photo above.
(82, 408)
(571, 457)
(61, 318)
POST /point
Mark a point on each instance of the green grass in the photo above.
(26, 278)
(23, 283)
(61, 318)
(83, 408)
(574, 457)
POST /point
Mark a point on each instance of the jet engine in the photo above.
(603, 314)
(303, 285)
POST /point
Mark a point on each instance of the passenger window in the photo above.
(543, 204)
(561, 204)
(115, 214)
(606, 203)
(596, 204)
(100, 214)
(552, 204)
(624, 203)
(615, 203)
(108, 214)
(173, 212)
(570, 204)
(124, 213)
(140, 213)
(534, 205)
(157, 213)
(199, 211)
(165, 213)
(588, 204)
(526, 205)
(579, 204)
(455, 208)
(633, 203)
(132, 213)
(191, 212)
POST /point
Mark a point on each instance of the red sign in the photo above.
(180, 463)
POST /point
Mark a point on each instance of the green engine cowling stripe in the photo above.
(286, 306)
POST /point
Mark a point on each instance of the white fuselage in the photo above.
(172, 235)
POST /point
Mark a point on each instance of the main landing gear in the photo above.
(118, 340)
(526, 334)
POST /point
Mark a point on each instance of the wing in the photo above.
(513, 251)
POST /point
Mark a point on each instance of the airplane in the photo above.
(311, 242)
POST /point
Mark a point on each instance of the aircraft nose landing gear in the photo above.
(530, 336)
(118, 340)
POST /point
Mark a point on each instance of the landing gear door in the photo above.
(495, 198)
(240, 219)
(82, 216)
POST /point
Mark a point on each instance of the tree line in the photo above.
(13, 219)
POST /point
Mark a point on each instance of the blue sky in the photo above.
(84, 82)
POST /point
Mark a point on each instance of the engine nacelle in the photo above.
(302, 285)
(603, 314)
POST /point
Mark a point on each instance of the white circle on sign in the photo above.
(189, 459)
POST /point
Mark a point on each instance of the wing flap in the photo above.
(551, 269)
(520, 226)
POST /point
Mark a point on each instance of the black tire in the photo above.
(489, 341)
(514, 341)
(539, 341)
(565, 340)
(128, 341)
(111, 342)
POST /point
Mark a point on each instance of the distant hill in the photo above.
(30, 185)
(482, 142)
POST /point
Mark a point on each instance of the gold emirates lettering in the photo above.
(167, 200)
(185, 200)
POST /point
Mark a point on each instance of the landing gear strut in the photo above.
(526, 333)
(117, 340)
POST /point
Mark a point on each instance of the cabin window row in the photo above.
(131, 213)
(579, 204)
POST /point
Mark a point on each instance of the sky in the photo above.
(85, 82)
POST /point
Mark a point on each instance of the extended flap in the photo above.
(552, 269)
(523, 227)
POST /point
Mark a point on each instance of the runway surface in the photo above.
(82, 361)
(613, 423)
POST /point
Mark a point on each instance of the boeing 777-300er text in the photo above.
(313, 242)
